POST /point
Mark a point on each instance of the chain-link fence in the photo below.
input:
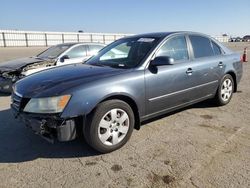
(10, 38)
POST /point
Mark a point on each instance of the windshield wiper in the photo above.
(51, 57)
(98, 64)
(39, 58)
(121, 66)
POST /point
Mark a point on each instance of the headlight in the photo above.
(47, 105)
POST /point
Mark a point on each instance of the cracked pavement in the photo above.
(199, 146)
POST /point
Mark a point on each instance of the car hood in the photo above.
(18, 63)
(62, 79)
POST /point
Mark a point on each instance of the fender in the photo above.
(86, 99)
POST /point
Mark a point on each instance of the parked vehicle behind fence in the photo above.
(62, 54)
(246, 38)
(111, 94)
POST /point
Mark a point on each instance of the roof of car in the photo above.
(75, 43)
(158, 34)
(164, 34)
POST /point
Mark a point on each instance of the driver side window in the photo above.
(175, 48)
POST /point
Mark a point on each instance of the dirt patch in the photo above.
(129, 181)
(167, 162)
(168, 179)
(236, 128)
(134, 165)
(206, 116)
(205, 125)
(155, 178)
(222, 128)
(90, 163)
(116, 168)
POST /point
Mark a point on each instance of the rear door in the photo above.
(207, 65)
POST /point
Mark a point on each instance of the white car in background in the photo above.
(67, 53)
(61, 54)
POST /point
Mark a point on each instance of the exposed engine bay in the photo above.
(19, 73)
(9, 75)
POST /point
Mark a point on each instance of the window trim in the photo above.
(169, 38)
(212, 42)
(192, 50)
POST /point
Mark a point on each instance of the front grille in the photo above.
(18, 102)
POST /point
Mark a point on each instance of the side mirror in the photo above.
(162, 60)
(62, 59)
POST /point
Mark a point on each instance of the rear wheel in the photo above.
(110, 126)
(225, 90)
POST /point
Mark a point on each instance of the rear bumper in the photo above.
(5, 85)
(50, 128)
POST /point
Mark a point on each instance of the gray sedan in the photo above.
(129, 81)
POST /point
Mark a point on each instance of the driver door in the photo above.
(167, 86)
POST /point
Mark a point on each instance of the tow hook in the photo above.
(44, 132)
(43, 127)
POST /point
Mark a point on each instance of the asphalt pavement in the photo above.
(199, 146)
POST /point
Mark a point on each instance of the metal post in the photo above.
(78, 40)
(4, 41)
(91, 38)
(115, 37)
(104, 39)
(62, 38)
(26, 39)
(46, 39)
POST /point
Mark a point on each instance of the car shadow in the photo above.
(19, 144)
(204, 104)
(4, 94)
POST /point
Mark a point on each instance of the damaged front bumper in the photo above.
(49, 127)
(5, 85)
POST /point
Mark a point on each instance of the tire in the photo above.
(109, 126)
(225, 90)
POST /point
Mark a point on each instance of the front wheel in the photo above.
(225, 90)
(110, 126)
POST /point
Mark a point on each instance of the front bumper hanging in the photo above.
(50, 128)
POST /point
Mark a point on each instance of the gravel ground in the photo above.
(199, 146)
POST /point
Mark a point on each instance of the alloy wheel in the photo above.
(226, 90)
(113, 127)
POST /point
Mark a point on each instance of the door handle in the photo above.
(220, 64)
(189, 71)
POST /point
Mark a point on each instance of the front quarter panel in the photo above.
(84, 99)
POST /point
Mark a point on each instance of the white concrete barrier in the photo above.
(13, 38)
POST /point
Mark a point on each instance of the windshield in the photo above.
(54, 51)
(124, 53)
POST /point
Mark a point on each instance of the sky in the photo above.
(213, 17)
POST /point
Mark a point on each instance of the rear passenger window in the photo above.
(176, 48)
(217, 50)
(201, 46)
